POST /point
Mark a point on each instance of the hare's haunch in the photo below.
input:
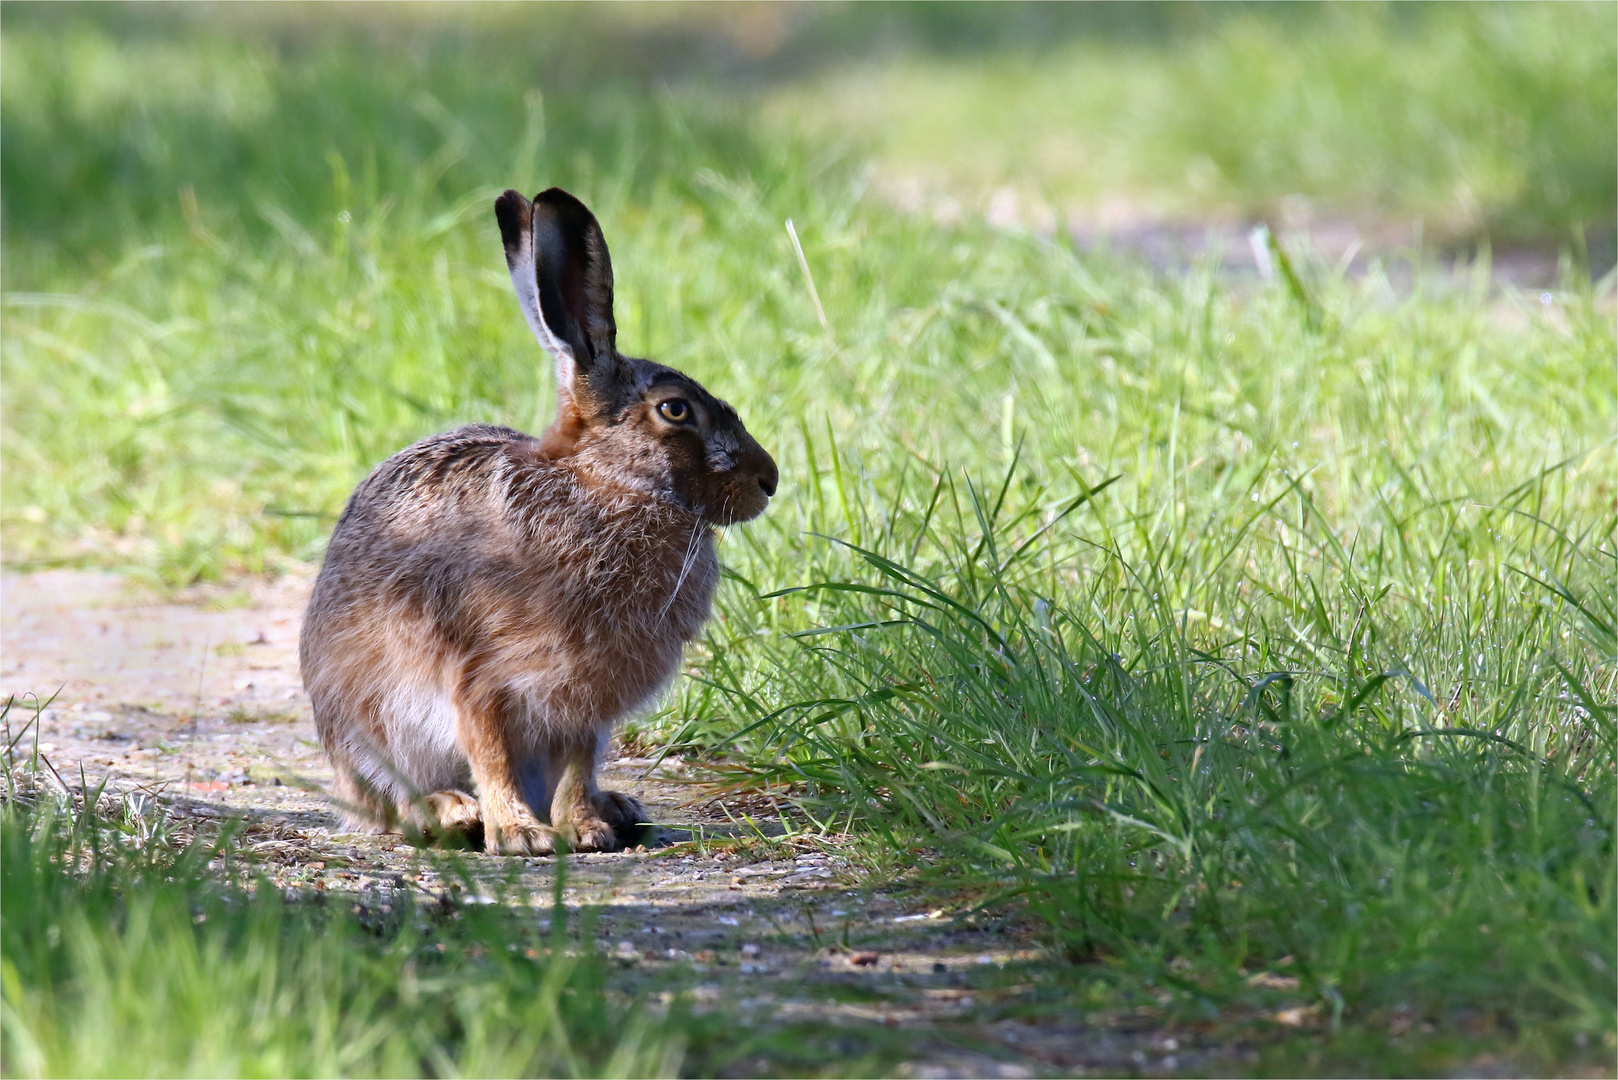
(491, 603)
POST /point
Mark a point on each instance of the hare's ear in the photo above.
(563, 275)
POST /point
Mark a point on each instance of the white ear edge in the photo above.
(566, 369)
(526, 284)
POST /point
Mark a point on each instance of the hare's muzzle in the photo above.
(749, 486)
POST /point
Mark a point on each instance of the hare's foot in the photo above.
(441, 812)
(609, 821)
(454, 809)
(626, 814)
(589, 833)
(520, 834)
(442, 815)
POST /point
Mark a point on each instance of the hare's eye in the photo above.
(676, 410)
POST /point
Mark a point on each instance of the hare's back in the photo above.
(437, 505)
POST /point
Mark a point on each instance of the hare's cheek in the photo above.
(677, 476)
(715, 495)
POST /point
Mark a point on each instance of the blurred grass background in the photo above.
(1477, 118)
(242, 206)
(1219, 619)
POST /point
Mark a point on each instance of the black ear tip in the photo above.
(564, 201)
(513, 212)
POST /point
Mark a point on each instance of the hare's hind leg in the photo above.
(509, 827)
(364, 809)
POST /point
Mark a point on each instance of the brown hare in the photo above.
(491, 603)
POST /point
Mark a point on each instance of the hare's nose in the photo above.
(762, 466)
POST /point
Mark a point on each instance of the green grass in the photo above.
(1206, 623)
(1473, 118)
(125, 954)
(137, 944)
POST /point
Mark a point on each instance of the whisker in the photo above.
(685, 567)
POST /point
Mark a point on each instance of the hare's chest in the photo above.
(628, 629)
(643, 591)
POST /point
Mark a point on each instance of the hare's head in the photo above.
(631, 423)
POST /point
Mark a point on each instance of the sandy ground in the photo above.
(196, 705)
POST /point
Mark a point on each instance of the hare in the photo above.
(491, 603)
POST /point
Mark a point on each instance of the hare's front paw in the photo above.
(592, 834)
(624, 813)
(518, 838)
(615, 823)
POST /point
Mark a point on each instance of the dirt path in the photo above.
(197, 704)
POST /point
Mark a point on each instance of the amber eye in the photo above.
(676, 410)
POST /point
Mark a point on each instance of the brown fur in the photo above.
(491, 603)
